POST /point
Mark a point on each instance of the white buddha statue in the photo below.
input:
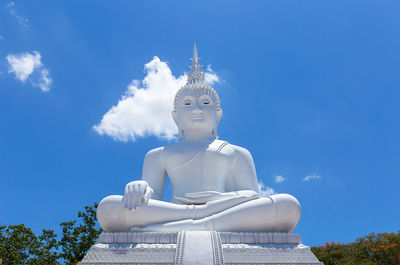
(214, 183)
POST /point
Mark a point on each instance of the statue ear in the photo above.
(215, 133)
(180, 131)
(175, 117)
(180, 134)
(219, 115)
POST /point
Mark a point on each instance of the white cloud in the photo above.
(279, 179)
(23, 64)
(210, 76)
(145, 108)
(310, 177)
(28, 66)
(265, 191)
(23, 22)
(44, 81)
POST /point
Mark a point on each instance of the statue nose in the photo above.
(196, 111)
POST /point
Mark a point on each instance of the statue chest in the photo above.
(198, 171)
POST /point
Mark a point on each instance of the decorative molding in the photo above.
(180, 245)
(259, 238)
(229, 248)
(138, 237)
(217, 248)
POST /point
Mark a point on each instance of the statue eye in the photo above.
(206, 102)
(187, 102)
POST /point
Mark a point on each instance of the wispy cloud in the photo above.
(310, 177)
(1, 37)
(23, 22)
(44, 81)
(210, 76)
(279, 179)
(145, 108)
(28, 66)
(265, 191)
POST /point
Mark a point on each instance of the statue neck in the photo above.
(193, 137)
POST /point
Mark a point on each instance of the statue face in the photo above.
(197, 112)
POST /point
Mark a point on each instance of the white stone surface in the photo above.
(259, 238)
(214, 182)
(196, 247)
(138, 237)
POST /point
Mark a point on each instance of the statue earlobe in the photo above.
(175, 117)
(215, 133)
(219, 115)
(180, 134)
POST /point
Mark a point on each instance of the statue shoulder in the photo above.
(226, 147)
(241, 150)
(219, 145)
(242, 158)
(155, 151)
(154, 155)
(237, 152)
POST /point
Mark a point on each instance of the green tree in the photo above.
(47, 252)
(79, 237)
(380, 248)
(19, 245)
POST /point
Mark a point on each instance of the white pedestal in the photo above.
(199, 247)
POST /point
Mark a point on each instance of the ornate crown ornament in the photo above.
(196, 80)
(195, 75)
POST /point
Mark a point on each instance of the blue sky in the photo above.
(310, 88)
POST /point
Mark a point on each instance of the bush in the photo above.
(19, 245)
(380, 248)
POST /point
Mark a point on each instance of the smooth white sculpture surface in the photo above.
(214, 183)
(199, 247)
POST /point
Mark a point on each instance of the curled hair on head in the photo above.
(196, 86)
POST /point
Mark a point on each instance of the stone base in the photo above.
(199, 247)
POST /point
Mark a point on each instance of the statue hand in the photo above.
(136, 194)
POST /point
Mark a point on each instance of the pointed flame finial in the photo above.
(195, 57)
(195, 75)
(196, 81)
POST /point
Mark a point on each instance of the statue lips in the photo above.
(197, 117)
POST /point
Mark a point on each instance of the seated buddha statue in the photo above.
(214, 183)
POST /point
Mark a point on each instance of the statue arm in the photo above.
(243, 171)
(154, 173)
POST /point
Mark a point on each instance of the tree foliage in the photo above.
(19, 245)
(77, 239)
(380, 248)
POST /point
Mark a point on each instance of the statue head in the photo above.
(196, 106)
